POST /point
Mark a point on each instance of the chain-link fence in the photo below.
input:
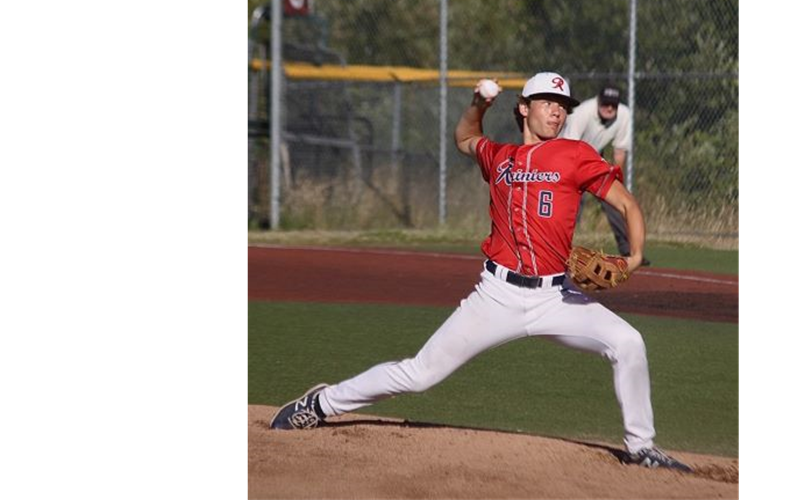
(360, 107)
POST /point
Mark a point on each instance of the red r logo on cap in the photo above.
(558, 83)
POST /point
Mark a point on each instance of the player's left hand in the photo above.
(593, 270)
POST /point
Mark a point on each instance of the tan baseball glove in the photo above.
(594, 270)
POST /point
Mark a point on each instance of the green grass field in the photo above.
(529, 385)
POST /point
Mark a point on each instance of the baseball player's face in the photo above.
(607, 111)
(545, 118)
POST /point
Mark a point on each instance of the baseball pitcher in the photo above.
(531, 283)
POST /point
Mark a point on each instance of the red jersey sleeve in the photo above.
(485, 152)
(595, 174)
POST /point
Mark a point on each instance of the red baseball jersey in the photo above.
(534, 193)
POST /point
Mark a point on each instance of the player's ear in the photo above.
(522, 106)
(520, 112)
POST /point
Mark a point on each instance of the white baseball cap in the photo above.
(549, 83)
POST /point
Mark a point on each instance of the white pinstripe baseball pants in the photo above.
(498, 312)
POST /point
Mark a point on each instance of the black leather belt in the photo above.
(524, 281)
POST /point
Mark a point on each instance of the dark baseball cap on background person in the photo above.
(549, 84)
(609, 94)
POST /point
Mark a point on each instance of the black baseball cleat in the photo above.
(653, 458)
(301, 413)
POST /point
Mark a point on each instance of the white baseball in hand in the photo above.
(488, 89)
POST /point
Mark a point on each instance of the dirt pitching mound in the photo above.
(358, 456)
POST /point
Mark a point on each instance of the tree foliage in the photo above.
(687, 62)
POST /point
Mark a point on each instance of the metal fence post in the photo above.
(395, 127)
(276, 124)
(443, 112)
(632, 56)
(256, 80)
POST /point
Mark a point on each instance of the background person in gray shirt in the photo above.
(599, 121)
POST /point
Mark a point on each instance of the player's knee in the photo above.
(631, 347)
(417, 377)
(420, 385)
(424, 381)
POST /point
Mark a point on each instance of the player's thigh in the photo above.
(481, 322)
(579, 322)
